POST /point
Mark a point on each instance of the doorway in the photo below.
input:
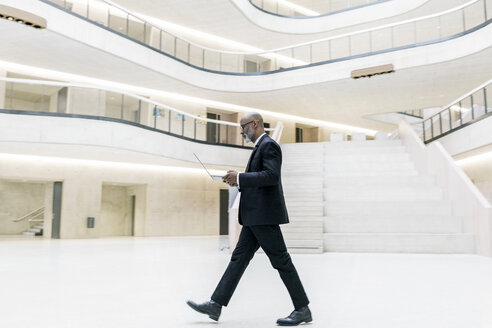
(224, 212)
(57, 199)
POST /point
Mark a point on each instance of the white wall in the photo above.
(170, 202)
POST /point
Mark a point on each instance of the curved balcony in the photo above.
(412, 33)
(81, 101)
(294, 10)
(322, 16)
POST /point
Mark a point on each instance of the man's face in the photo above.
(247, 130)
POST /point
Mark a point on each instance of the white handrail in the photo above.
(412, 20)
(468, 202)
(34, 213)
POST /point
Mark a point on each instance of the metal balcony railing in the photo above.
(410, 33)
(474, 106)
(53, 98)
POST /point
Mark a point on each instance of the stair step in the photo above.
(375, 194)
(392, 224)
(305, 210)
(29, 233)
(387, 182)
(399, 243)
(309, 229)
(369, 157)
(394, 166)
(381, 173)
(296, 196)
(364, 151)
(364, 144)
(392, 208)
(301, 218)
(302, 235)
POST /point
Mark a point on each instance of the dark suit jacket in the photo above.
(262, 198)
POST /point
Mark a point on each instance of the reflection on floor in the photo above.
(144, 282)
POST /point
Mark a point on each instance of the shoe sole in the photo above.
(295, 324)
(211, 316)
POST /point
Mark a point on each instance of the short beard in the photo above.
(248, 137)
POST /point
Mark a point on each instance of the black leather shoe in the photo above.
(296, 317)
(211, 308)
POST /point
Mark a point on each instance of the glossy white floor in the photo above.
(144, 282)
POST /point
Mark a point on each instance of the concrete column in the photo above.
(53, 102)
(86, 101)
(147, 114)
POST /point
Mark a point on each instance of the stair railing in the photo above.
(468, 202)
(32, 217)
(470, 108)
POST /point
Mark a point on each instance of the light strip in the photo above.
(484, 157)
(61, 76)
(104, 164)
(299, 9)
(172, 27)
(220, 40)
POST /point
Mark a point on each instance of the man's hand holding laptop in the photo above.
(230, 178)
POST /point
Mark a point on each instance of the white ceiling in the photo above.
(344, 101)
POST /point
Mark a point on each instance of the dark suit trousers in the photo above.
(270, 238)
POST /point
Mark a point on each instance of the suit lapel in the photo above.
(254, 152)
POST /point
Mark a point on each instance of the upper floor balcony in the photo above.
(421, 31)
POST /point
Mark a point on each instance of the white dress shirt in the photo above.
(256, 142)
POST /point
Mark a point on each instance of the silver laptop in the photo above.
(214, 177)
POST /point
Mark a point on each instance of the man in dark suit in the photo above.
(261, 210)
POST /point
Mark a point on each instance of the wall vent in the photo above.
(371, 71)
(22, 17)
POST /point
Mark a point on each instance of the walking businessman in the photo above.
(261, 210)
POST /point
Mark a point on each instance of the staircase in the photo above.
(365, 196)
(35, 222)
(36, 230)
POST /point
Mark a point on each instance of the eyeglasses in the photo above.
(245, 124)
